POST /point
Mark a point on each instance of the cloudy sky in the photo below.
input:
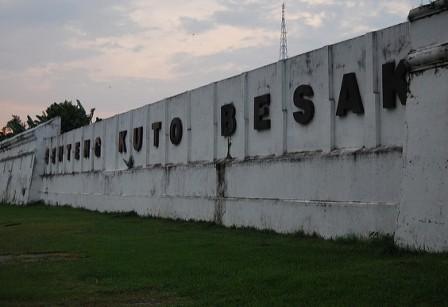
(115, 55)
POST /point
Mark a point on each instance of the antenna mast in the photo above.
(283, 39)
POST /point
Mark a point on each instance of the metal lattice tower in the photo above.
(283, 39)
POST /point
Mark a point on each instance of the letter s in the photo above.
(306, 114)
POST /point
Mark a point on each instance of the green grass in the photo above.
(126, 260)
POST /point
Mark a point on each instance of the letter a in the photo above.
(349, 98)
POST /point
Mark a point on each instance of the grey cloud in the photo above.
(246, 13)
(95, 17)
(193, 25)
(31, 13)
(36, 32)
(244, 59)
(25, 48)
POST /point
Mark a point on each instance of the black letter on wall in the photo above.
(261, 112)
(156, 127)
(122, 141)
(61, 153)
(349, 98)
(77, 150)
(53, 156)
(69, 152)
(306, 115)
(176, 131)
(98, 147)
(394, 83)
(228, 120)
(137, 139)
(87, 149)
(47, 156)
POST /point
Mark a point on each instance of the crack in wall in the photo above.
(220, 192)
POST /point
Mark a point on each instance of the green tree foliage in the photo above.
(13, 127)
(4, 133)
(72, 115)
(16, 125)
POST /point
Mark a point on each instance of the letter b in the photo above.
(228, 120)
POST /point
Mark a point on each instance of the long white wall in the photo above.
(361, 170)
(335, 176)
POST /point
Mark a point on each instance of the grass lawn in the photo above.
(67, 256)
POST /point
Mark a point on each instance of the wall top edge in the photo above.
(429, 57)
(19, 139)
(27, 135)
(427, 10)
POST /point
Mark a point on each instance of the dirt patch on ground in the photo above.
(38, 257)
(12, 224)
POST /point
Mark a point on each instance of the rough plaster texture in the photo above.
(382, 171)
(423, 215)
(236, 198)
(22, 162)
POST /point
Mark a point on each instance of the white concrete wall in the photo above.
(22, 162)
(336, 175)
(313, 69)
(316, 177)
(203, 124)
(336, 201)
(157, 113)
(423, 215)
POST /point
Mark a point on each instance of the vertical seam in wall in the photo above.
(60, 164)
(147, 135)
(116, 142)
(220, 192)
(166, 130)
(189, 132)
(371, 126)
(57, 154)
(131, 135)
(64, 146)
(64, 157)
(166, 136)
(284, 106)
(30, 180)
(67, 164)
(332, 140)
(103, 146)
(92, 144)
(51, 151)
(376, 89)
(215, 121)
(246, 112)
(72, 156)
(81, 149)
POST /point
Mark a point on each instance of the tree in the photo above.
(16, 125)
(4, 133)
(13, 127)
(72, 115)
